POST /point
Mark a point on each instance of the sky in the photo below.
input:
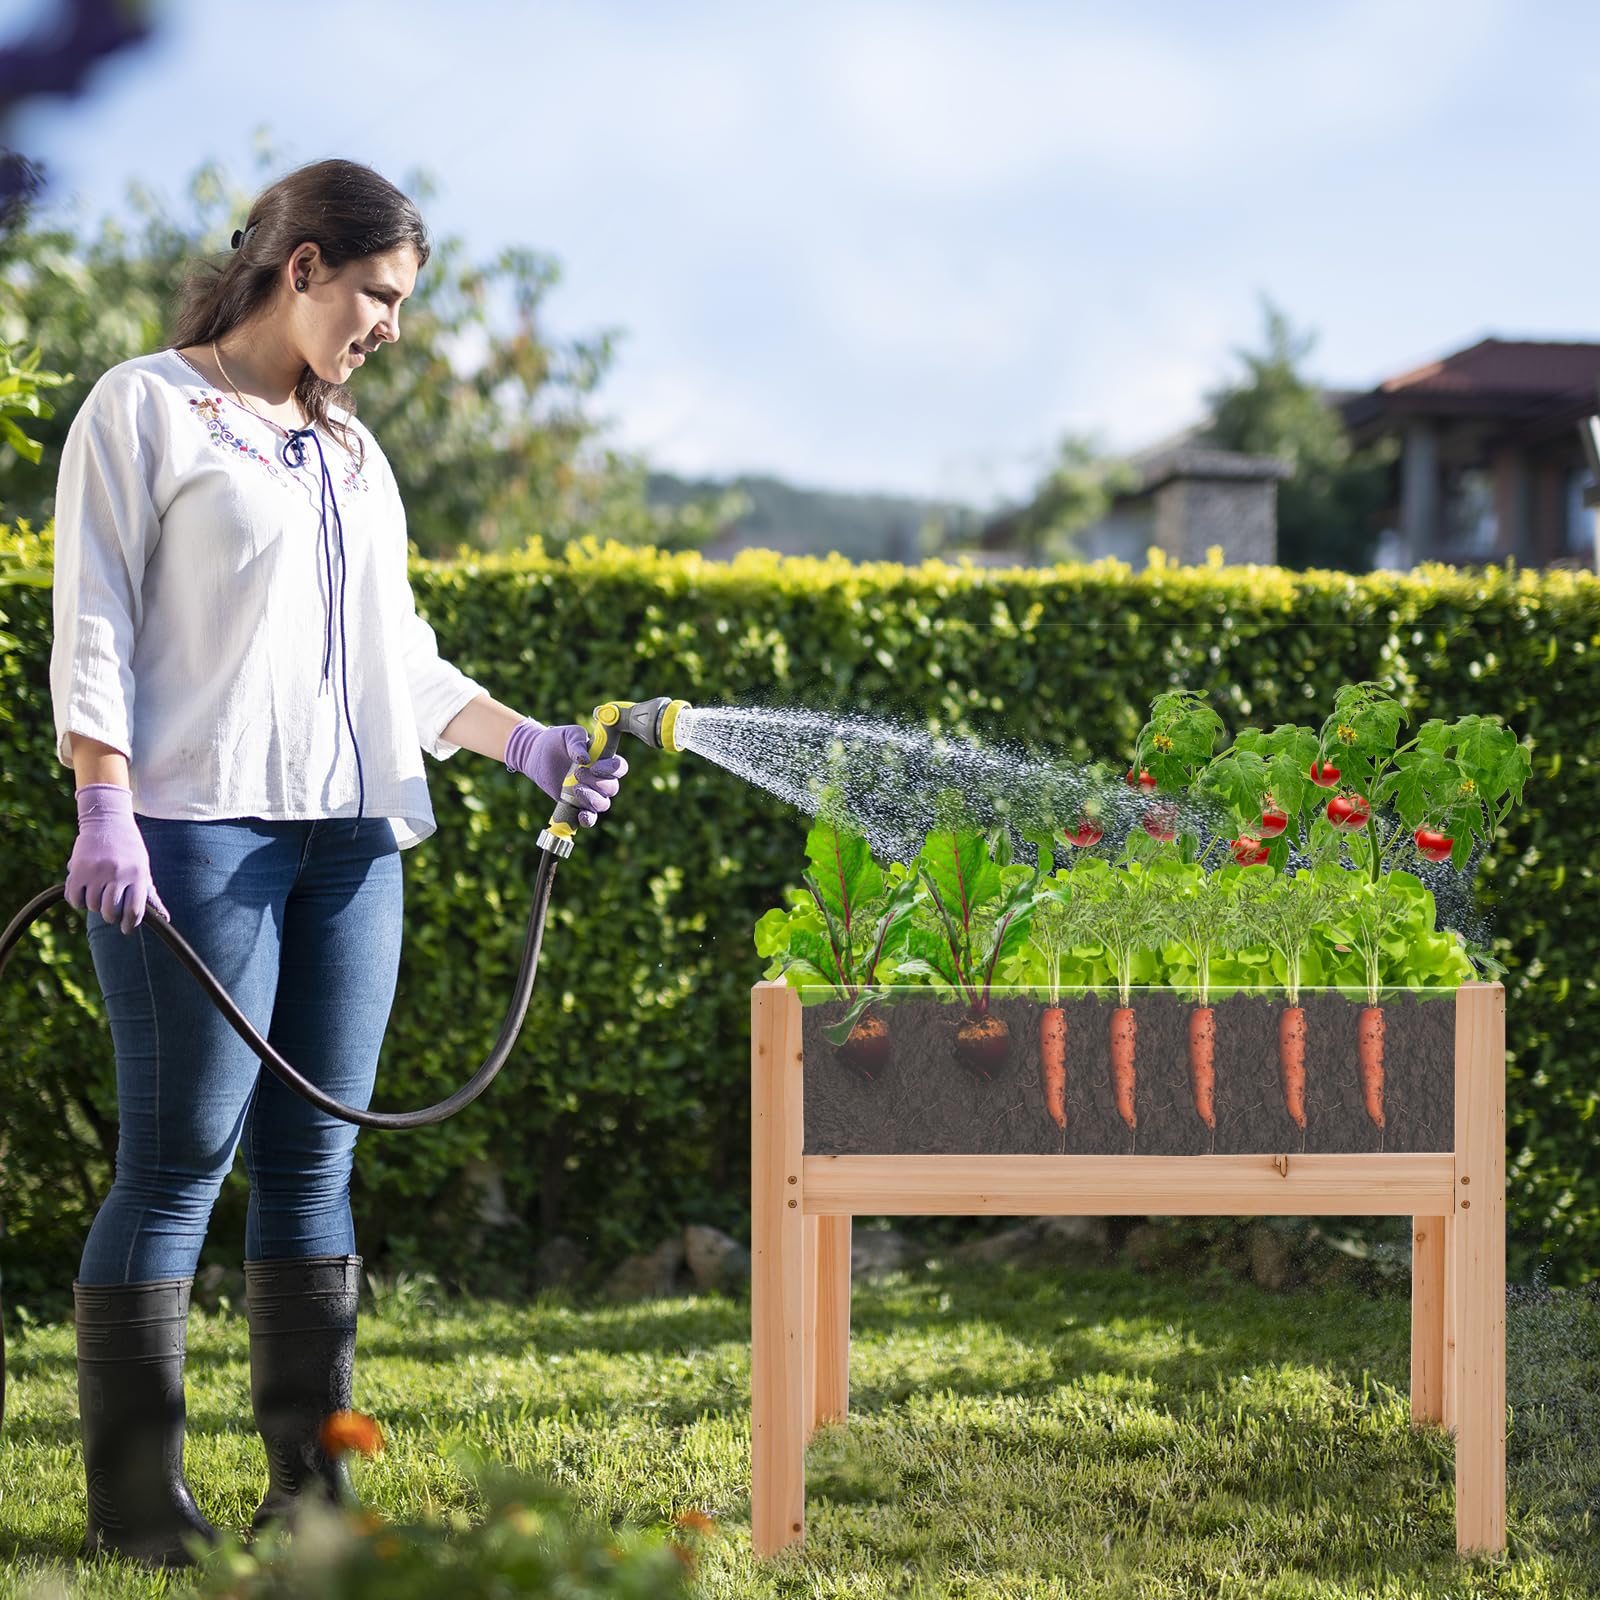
(907, 247)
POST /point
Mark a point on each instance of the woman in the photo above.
(244, 691)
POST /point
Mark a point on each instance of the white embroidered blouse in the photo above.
(252, 653)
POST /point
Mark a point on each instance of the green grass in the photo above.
(1084, 1434)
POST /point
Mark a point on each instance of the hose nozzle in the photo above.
(655, 722)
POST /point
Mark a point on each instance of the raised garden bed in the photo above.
(1220, 988)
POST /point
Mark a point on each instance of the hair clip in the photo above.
(242, 239)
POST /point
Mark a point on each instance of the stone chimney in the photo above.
(1205, 497)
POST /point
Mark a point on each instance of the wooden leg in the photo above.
(1427, 1320)
(1449, 1415)
(808, 1312)
(831, 1340)
(1478, 1253)
(779, 1338)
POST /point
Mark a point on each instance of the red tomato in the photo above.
(1348, 812)
(1249, 852)
(1161, 822)
(1143, 781)
(1324, 776)
(1433, 846)
(1084, 835)
(1273, 821)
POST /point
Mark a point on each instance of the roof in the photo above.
(1194, 461)
(1515, 380)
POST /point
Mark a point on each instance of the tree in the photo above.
(484, 417)
(1328, 510)
(20, 383)
(1076, 493)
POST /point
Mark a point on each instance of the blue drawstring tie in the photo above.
(293, 454)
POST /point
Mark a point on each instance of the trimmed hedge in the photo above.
(624, 1112)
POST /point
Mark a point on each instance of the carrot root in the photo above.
(1292, 1062)
(1202, 1063)
(1369, 1044)
(1053, 1063)
(1124, 1030)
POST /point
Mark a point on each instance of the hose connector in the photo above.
(654, 722)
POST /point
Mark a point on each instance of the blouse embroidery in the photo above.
(209, 410)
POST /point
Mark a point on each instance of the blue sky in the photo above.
(877, 245)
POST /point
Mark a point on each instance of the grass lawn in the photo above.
(1012, 1434)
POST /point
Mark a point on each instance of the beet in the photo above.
(867, 1049)
(983, 1043)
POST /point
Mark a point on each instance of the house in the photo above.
(1491, 464)
(1491, 461)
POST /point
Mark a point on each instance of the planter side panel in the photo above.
(925, 1102)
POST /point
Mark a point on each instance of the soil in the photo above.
(922, 1101)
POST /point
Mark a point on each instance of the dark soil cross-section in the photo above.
(923, 1101)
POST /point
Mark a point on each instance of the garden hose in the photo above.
(655, 722)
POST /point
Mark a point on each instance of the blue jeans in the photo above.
(301, 923)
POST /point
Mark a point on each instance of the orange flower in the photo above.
(695, 1522)
(350, 1430)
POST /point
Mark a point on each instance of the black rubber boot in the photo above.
(131, 1343)
(302, 1361)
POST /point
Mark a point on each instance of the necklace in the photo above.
(215, 356)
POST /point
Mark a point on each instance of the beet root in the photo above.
(983, 1043)
(868, 1048)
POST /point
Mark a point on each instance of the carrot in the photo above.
(1202, 1063)
(1292, 1061)
(1124, 1028)
(1053, 1055)
(1369, 1042)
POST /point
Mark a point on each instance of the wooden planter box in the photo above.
(927, 1136)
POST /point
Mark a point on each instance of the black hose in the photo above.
(224, 1002)
(522, 994)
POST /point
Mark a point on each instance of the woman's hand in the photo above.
(546, 755)
(109, 868)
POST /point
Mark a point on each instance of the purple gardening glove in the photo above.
(546, 755)
(109, 870)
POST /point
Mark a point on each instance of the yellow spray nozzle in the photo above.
(653, 722)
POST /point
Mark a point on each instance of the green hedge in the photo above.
(624, 1111)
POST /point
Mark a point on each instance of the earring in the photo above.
(300, 284)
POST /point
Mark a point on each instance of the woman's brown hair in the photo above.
(349, 212)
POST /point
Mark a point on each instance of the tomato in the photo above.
(1084, 835)
(1273, 821)
(1324, 776)
(1143, 781)
(1248, 852)
(1348, 812)
(1161, 822)
(1433, 846)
